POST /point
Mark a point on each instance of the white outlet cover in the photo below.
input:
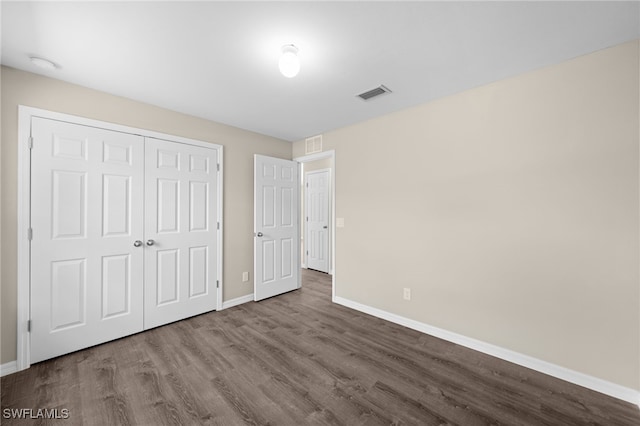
(407, 294)
(340, 222)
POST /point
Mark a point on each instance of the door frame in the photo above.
(331, 154)
(304, 223)
(25, 114)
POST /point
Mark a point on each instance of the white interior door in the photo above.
(317, 220)
(181, 231)
(276, 227)
(86, 273)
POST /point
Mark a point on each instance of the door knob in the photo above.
(259, 234)
(324, 227)
(150, 242)
(137, 243)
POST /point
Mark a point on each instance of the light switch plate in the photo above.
(339, 222)
(245, 276)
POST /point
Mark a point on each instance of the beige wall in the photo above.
(311, 166)
(510, 210)
(21, 88)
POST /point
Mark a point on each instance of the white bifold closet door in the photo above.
(86, 275)
(98, 199)
(180, 231)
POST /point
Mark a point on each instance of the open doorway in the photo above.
(317, 211)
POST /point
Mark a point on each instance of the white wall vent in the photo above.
(313, 145)
(380, 90)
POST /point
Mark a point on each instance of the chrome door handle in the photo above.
(259, 234)
(137, 243)
(150, 242)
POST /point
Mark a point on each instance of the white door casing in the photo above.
(180, 231)
(276, 227)
(87, 276)
(317, 220)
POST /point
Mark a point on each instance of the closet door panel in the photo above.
(180, 231)
(86, 275)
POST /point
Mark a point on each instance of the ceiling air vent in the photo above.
(313, 145)
(380, 90)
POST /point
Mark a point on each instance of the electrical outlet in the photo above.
(245, 277)
(407, 294)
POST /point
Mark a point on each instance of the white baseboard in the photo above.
(575, 377)
(8, 368)
(237, 301)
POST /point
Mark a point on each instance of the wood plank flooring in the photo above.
(298, 359)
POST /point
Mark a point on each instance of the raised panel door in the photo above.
(276, 246)
(86, 274)
(180, 231)
(317, 216)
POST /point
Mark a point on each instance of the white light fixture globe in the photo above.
(289, 63)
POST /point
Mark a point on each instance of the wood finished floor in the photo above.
(298, 359)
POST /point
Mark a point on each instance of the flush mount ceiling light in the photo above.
(43, 63)
(289, 63)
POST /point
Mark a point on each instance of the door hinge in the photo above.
(307, 218)
(218, 225)
(30, 142)
(217, 283)
(218, 166)
(307, 252)
(29, 326)
(30, 234)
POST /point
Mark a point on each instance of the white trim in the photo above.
(319, 156)
(221, 230)
(25, 114)
(75, 119)
(237, 301)
(575, 377)
(23, 360)
(8, 368)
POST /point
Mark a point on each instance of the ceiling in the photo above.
(219, 60)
